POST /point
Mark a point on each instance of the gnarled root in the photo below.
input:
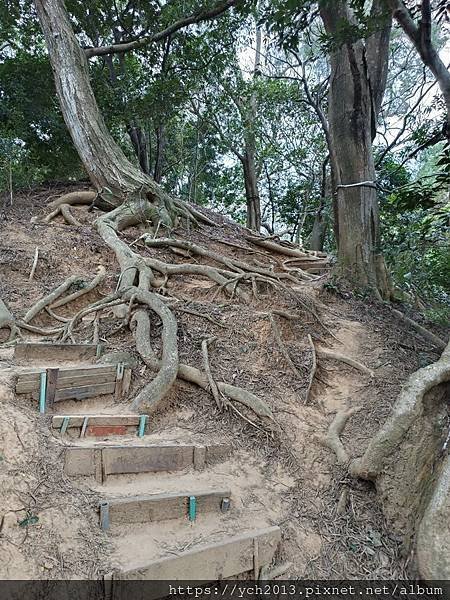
(155, 391)
(81, 197)
(141, 325)
(332, 439)
(408, 408)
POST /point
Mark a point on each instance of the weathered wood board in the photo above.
(208, 563)
(76, 421)
(115, 460)
(75, 383)
(43, 351)
(159, 507)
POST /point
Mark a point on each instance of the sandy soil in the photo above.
(286, 478)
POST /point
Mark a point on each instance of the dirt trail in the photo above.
(288, 478)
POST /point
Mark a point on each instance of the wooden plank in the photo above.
(159, 507)
(146, 459)
(77, 420)
(52, 381)
(68, 382)
(79, 393)
(124, 459)
(211, 562)
(43, 351)
(33, 375)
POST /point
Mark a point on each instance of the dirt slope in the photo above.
(285, 477)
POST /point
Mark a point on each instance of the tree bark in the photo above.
(105, 163)
(249, 159)
(352, 114)
(160, 132)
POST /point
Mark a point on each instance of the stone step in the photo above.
(159, 507)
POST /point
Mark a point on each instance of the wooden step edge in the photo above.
(163, 506)
(101, 425)
(102, 460)
(216, 561)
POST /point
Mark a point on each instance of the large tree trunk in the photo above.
(352, 114)
(105, 163)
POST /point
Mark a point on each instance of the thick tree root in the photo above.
(324, 353)
(408, 408)
(332, 440)
(155, 391)
(98, 279)
(81, 197)
(141, 325)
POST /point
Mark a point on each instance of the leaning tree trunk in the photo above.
(105, 163)
(351, 122)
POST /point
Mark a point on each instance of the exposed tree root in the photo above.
(274, 247)
(7, 321)
(155, 391)
(47, 300)
(428, 335)
(282, 347)
(313, 369)
(324, 353)
(408, 408)
(141, 326)
(68, 216)
(34, 265)
(332, 439)
(81, 197)
(206, 365)
(230, 263)
(98, 279)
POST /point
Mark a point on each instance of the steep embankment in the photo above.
(279, 473)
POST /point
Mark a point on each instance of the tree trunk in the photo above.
(249, 162)
(105, 163)
(160, 132)
(139, 141)
(351, 121)
(251, 191)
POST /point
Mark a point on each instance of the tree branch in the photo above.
(197, 17)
